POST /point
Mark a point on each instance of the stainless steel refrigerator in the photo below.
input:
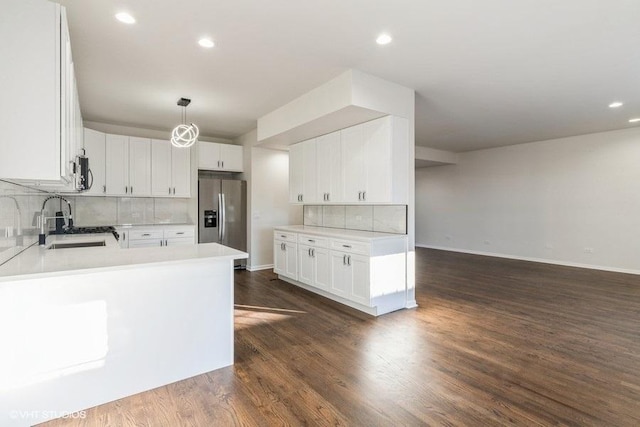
(222, 212)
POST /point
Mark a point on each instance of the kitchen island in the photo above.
(85, 326)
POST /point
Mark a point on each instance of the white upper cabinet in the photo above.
(117, 165)
(329, 173)
(303, 172)
(139, 166)
(366, 163)
(171, 169)
(220, 157)
(94, 146)
(40, 115)
(127, 166)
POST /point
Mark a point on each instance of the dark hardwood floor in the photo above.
(494, 342)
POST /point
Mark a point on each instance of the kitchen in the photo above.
(301, 150)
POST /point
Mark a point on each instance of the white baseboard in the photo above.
(259, 267)
(540, 260)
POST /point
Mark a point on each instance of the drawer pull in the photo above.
(283, 236)
(311, 241)
(180, 232)
(146, 235)
(346, 246)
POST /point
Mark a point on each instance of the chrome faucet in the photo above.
(42, 219)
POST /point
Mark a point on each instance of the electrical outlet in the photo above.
(588, 250)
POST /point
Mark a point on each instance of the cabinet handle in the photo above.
(223, 164)
(309, 251)
(313, 253)
(283, 236)
(348, 259)
(344, 260)
(146, 235)
(328, 197)
(180, 232)
(104, 188)
(166, 242)
(311, 241)
(359, 195)
(161, 243)
(126, 190)
(282, 246)
(132, 189)
(364, 195)
(346, 246)
(218, 163)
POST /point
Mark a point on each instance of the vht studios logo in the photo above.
(47, 415)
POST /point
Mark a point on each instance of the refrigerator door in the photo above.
(234, 210)
(209, 217)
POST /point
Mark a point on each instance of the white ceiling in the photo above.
(486, 73)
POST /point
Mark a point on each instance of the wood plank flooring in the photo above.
(494, 342)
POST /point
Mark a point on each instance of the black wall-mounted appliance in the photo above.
(82, 174)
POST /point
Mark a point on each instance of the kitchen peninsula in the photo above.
(89, 325)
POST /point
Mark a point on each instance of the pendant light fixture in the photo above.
(184, 135)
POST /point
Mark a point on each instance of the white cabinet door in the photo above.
(353, 163)
(139, 166)
(208, 155)
(279, 257)
(359, 266)
(179, 241)
(340, 274)
(181, 172)
(117, 165)
(160, 167)
(147, 243)
(378, 155)
(309, 174)
(329, 168)
(306, 267)
(303, 184)
(296, 173)
(322, 268)
(291, 269)
(94, 146)
(231, 158)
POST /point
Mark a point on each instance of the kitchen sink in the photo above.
(63, 245)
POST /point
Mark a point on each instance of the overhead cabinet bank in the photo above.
(366, 163)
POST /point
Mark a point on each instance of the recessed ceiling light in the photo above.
(634, 120)
(206, 42)
(616, 104)
(125, 17)
(384, 39)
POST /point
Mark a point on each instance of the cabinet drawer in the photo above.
(145, 234)
(350, 247)
(285, 236)
(182, 232)
(318, 242)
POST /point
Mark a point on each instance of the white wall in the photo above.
(572, 201)
(267, 176)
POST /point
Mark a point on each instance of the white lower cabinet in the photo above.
(156, 236)
(286, 259)
(369, 276)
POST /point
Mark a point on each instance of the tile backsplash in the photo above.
(380, 218)
(20, 205)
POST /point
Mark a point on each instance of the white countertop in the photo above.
(339, 233)
(38, 261)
